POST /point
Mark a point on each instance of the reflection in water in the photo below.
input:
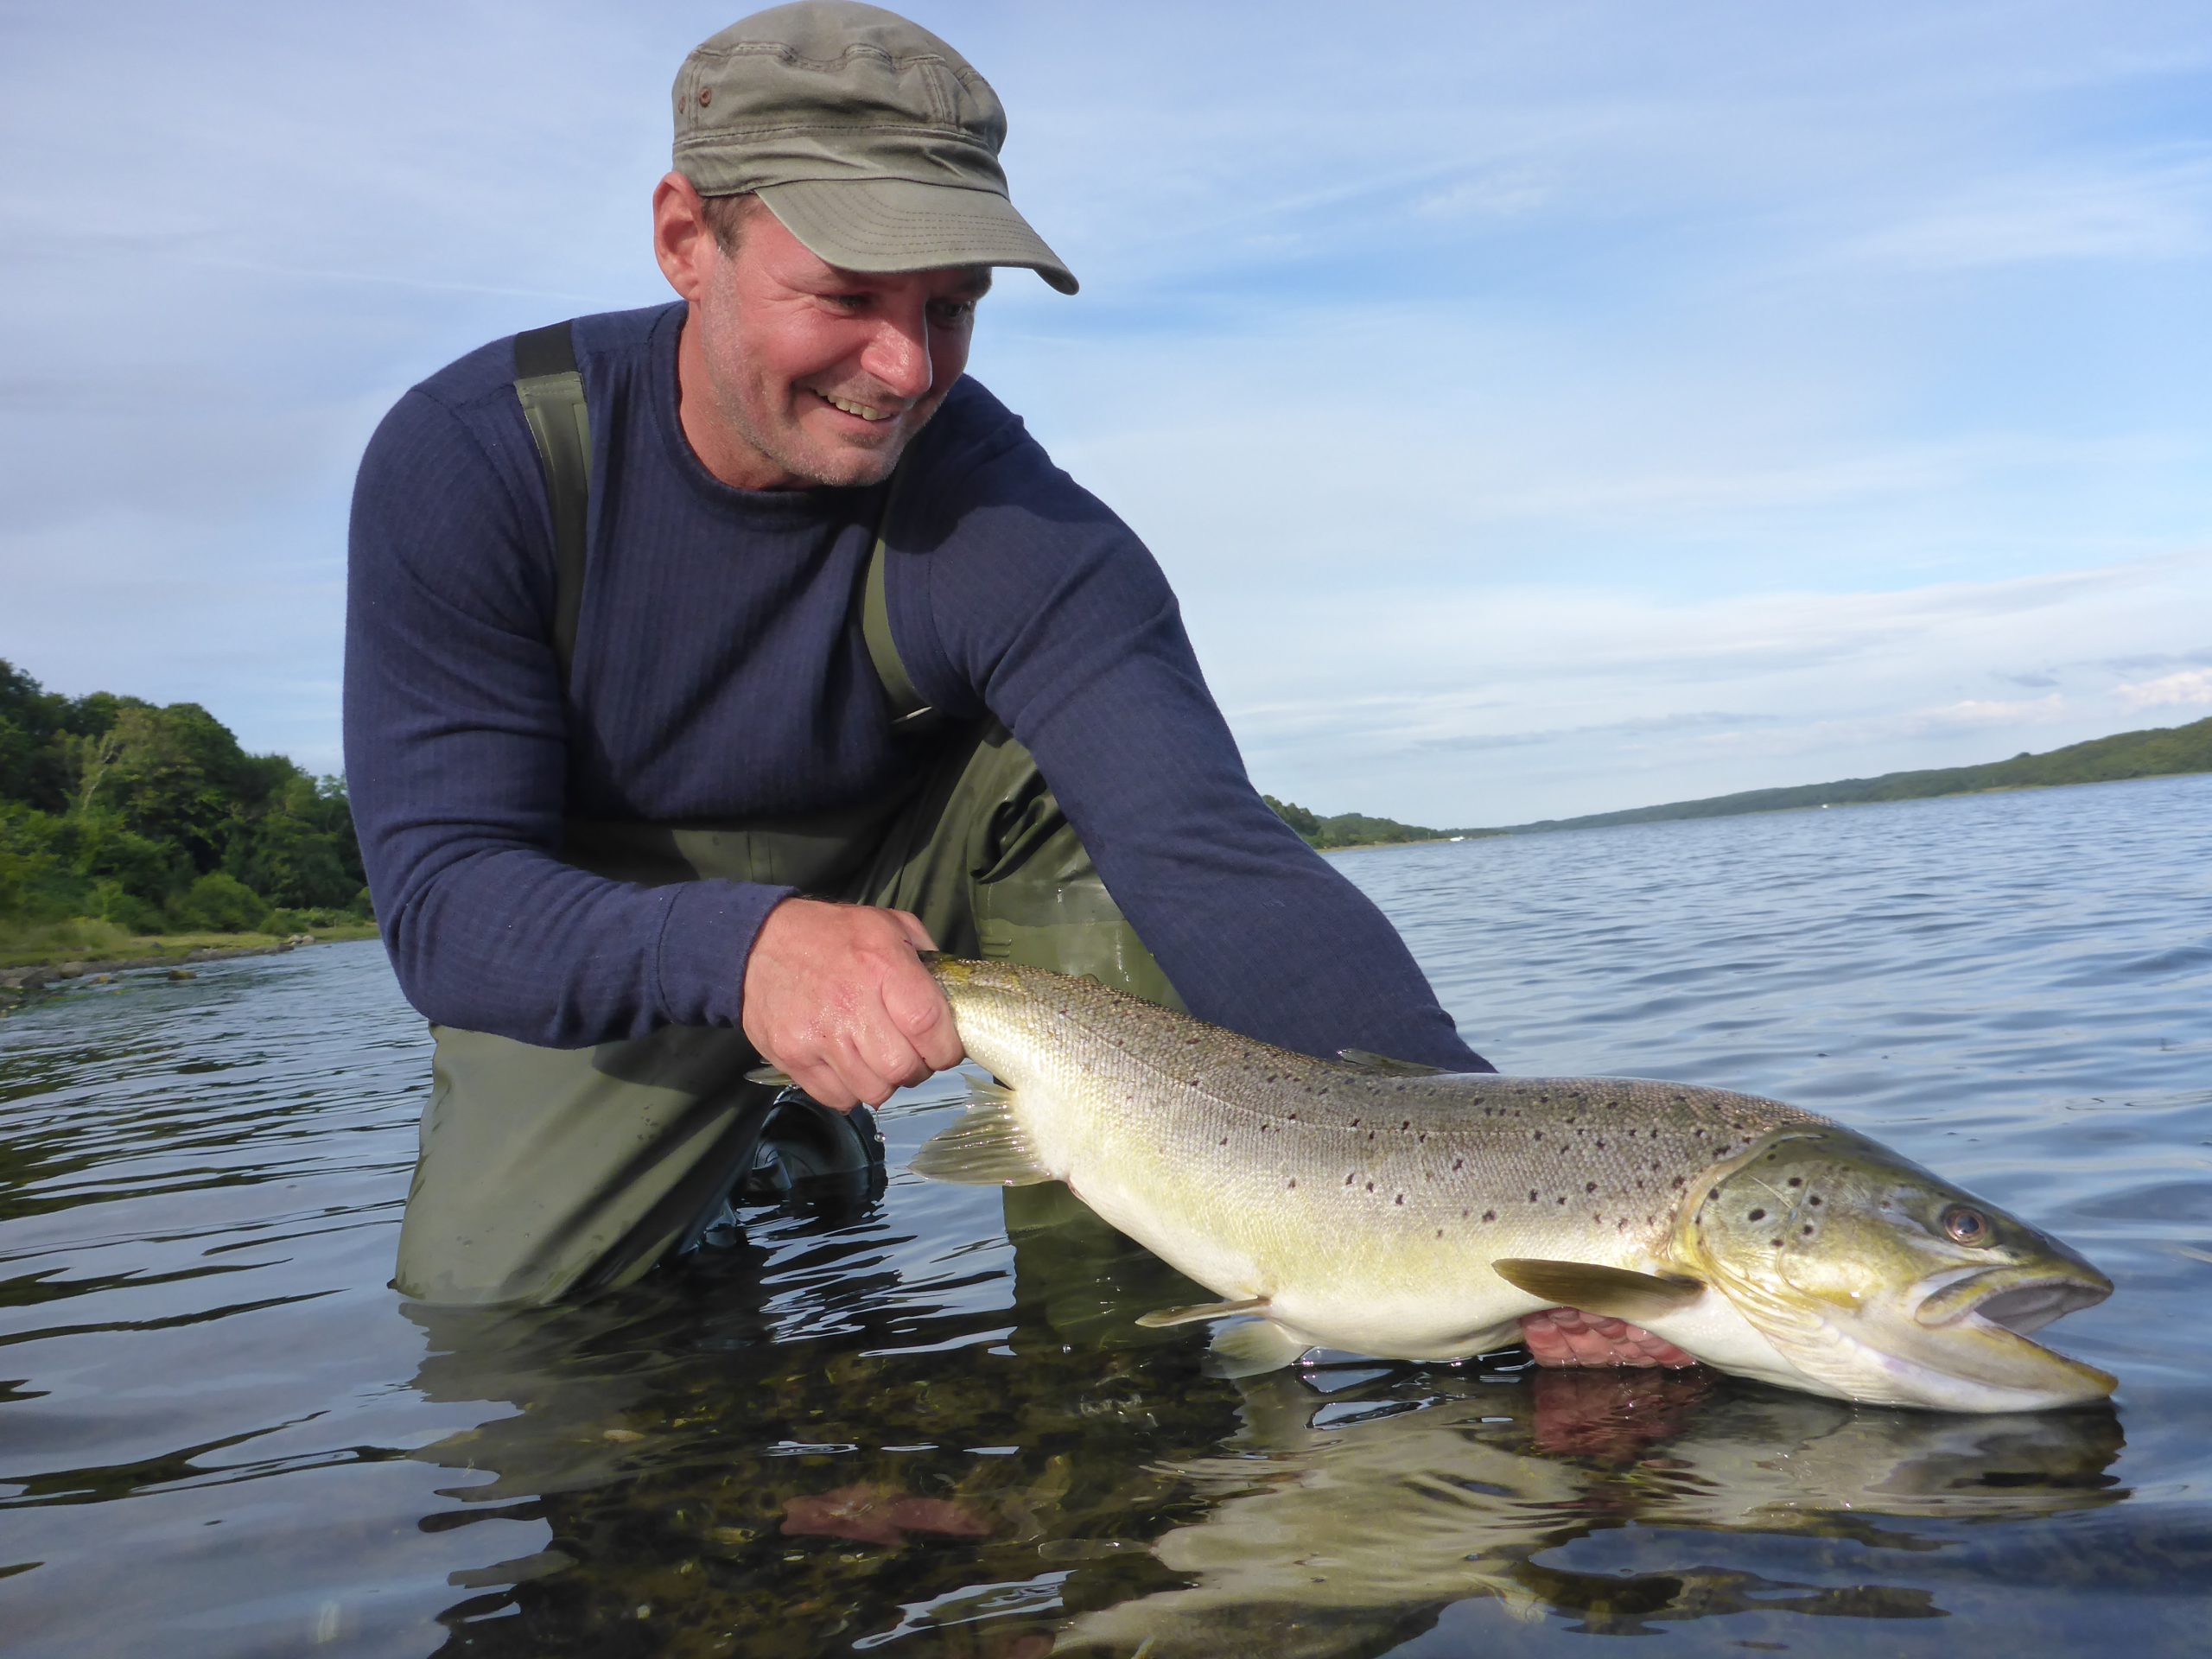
(1338, 1532)
(979, 1484)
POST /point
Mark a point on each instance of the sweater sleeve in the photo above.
(1045, 604)
(456, 762)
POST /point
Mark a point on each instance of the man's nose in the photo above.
(899, 356)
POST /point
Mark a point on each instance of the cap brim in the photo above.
(884, 225)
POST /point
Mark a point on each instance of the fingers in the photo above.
(835, 996)
(919, 1009)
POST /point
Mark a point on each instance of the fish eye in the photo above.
(1967, 1225)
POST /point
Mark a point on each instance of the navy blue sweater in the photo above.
(719, 677)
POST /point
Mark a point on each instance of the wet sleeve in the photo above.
(456, 758)
(1044, 606)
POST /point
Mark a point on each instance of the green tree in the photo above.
(176, 776)
(222, 904)
(30, 770)
(299, 850)
(1295, 816)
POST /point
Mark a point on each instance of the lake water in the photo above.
(926, 1423)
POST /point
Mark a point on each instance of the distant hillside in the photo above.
(1356, 829)
(2157, 753)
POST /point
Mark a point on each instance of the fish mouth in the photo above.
(1997, 1307)
(2014, 1300)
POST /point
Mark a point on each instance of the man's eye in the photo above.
(848, 302)
(950, 311)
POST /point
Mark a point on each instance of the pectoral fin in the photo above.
(1385, 1066)
(1198, 1310)
(1250, 1347)
(986, 1147)
(1639, 1298)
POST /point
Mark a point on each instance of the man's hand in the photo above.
(836, 998)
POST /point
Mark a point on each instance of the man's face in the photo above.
(797, 373)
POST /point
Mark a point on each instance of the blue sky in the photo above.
(1540, 410)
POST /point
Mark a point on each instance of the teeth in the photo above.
(851, 408)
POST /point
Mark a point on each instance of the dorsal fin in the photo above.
(1384, 1065)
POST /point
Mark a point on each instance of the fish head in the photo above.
(1878, 1280)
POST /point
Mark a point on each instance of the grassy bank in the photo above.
(49, 947)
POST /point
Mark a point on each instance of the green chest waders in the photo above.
(545, 1173)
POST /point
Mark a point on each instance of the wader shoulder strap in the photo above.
(908, 712)
(550, 389)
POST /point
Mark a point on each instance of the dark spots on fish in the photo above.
(1814, 1200)
(1407, 1124)
(1621, 1226)
(1806, 1231)
(1488, 1215)
(1271, 1076)
(1595, 1216)
(1589, 1187)
(1422, 1139)
(1601, 1143)
(1439, 1232)
(1294, 1117)
(1885, 1203)
(1223, 1142)
(1563, 1197)
(1355, 1123)
(1756, 1215)
(1679, 1182)
(1401, 1198)
(1540, 1135)
(1776, 1243)
(1291, 1182)
(1370, 1186)
(1710, 1196)
(1796, 1180)
(1370, 1135)
(1459, 1164)
(1350, 1178)
(1532, 1195)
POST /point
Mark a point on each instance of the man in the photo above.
(666, 773)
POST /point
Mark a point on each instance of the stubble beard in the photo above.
(781, 438)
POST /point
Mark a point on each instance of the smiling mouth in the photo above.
(863, 411)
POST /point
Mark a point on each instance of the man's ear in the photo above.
(683, 243)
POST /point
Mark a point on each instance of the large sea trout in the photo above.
(1396, 1210)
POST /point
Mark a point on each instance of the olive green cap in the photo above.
(875, 142)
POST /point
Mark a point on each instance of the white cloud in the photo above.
(1975, 712)
(2190, 688)
(2157, 209)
